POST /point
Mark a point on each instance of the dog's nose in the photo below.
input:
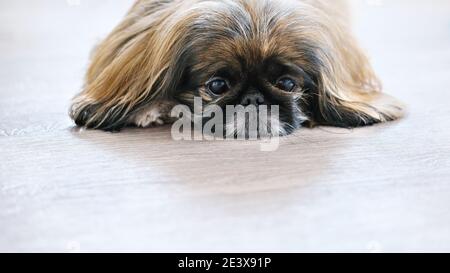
(253, 98)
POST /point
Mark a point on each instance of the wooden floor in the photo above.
(382, 188)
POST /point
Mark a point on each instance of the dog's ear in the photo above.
(348, 93)
(136, 64)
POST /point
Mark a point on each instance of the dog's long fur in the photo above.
(146, 57)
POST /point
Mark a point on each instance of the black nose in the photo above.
(252, 99)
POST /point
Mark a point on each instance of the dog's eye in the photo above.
(218, 86)
(286, 84)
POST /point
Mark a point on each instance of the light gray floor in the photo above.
(383, 188)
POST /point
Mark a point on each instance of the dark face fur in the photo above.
(271, 82)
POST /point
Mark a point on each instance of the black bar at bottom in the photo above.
(220, 262)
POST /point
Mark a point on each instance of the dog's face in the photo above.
(295, 54)
(225, 79)
(229, 62)
(271, 81)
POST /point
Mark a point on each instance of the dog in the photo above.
(297, 54)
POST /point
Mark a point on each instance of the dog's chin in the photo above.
(246, 129)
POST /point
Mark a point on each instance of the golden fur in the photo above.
(144, 59)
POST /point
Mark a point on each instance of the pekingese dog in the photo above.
(297, 54)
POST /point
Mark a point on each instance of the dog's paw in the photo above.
(149, 118)
(153, 115)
